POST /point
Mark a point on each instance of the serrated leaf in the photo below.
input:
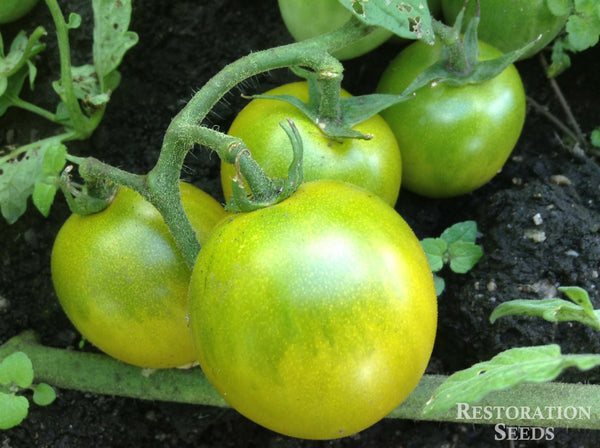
(111, 36)
(553, 310)
(582, 31)
(434, 249)
(560, 59)
(13, 410)
(461, 231)
(505, 370)
(463, 256)
(43, 394)
(406, 18)
(16, 368)
(18, 178)
(55, 158)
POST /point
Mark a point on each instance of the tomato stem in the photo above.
(186, 128)
(97, 373)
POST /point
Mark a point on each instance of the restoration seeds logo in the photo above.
(506, 414)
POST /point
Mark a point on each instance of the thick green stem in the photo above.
(101, 374)
(79, 120)
(450, 37)
(186, 127)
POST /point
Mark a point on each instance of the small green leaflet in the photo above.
(35, 173)
(16, 371)
(582, 32)
(13, 409)
(554, 310)
(456, 247)
(16, 368)
(505, 370)
(406, 18)
(111, 38)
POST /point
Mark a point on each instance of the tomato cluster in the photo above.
(314, 317)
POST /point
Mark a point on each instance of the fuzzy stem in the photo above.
(79, 120)
(101, 374)
(186, 127)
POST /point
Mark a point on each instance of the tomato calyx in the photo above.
(265, 194)
(337, 119)
(459, 62)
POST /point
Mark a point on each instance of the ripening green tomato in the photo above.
(511, 24)
(373, 164)
(11, 10)
(122, 281)
(314, 317)
(310, 18)
(452, 139)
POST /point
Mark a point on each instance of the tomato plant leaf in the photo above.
(440, 284)
(43, 394)
(22, 49)
(11, 87)
(13, 410)
(435, 249)
(461, 231)
(505, 370)
(406, 18)
(19, 178)
(111, 37)
(463, 256)
(555, 309)
(16, 368)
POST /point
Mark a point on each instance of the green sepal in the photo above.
(352, 110)
(281, 188)
(464, 52)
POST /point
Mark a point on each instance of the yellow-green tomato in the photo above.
(315, 317)
(309, 18)
(373, 164)
(122, 281)
(453, 139)
(11, 10)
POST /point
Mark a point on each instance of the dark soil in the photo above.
(182, 44)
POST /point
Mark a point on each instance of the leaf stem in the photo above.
(26, 105)
(78, 119)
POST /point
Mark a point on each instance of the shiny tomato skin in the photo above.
(315, 317)
(372, 164)
(453, 139)
(122, 281)
(510, 24)
(11, 10)
(309, 18)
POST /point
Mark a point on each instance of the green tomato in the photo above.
(11, 10)
(314, 317)
(511, 24)
(309, 18)
(122, 281)
(372, 164)
(452, 139)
